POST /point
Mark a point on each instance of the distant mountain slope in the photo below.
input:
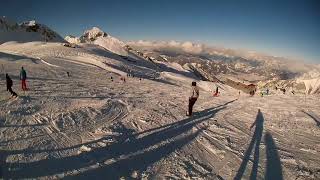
(311, 81)
(222, 60)
(212, 62)
(26, 32)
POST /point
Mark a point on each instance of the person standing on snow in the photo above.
(9, 86)
(217, 92)
(193, 98)
(23, 78)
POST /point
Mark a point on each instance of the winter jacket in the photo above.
(9, 82)
(194, 92)
(23, 74)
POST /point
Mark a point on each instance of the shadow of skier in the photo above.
(126, 155)
(314, 117)
(2, 162)
(273, 169)
(255, 142)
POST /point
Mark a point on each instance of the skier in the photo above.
(123, 79)
(217, 92)
(23, 78)
(193, 98)
(9, 86)
(251, 93)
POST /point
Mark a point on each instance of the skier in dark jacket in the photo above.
(9, 86)
(23, 78)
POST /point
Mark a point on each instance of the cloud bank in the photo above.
(209, 51)
(175, 46)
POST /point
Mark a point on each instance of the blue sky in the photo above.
(281, 28)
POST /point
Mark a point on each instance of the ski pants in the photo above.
(23, 84)
(192, 101)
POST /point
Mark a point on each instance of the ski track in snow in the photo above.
(45, 62)
(86, 125)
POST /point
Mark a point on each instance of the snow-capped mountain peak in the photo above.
(98, 37)
(26, 32)
(93, 34)
(72, 39)
(29, 23)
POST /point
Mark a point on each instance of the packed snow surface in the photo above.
(91, 126)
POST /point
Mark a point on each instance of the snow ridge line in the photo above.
(45, 62)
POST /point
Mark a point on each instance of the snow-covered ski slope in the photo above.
(87, 126)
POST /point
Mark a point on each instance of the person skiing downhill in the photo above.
(217, 92)
(9, 86)
(193, 98)
(23, 78)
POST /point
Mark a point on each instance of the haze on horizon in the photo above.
(280, 28)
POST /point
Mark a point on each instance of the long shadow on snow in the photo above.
(179, 122)
(164, 82)
(144, 75)
(13, 57)
(121, 138)
(74, 97)
(129, 60)
(15, 77)
(137, 72)
(274, 169)
(314, 117)
(172, 70)
(255, 141)
(21, 125)
(140, 66)
(2, 163)
(131, 146)
(22, 139)
(171, 137)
